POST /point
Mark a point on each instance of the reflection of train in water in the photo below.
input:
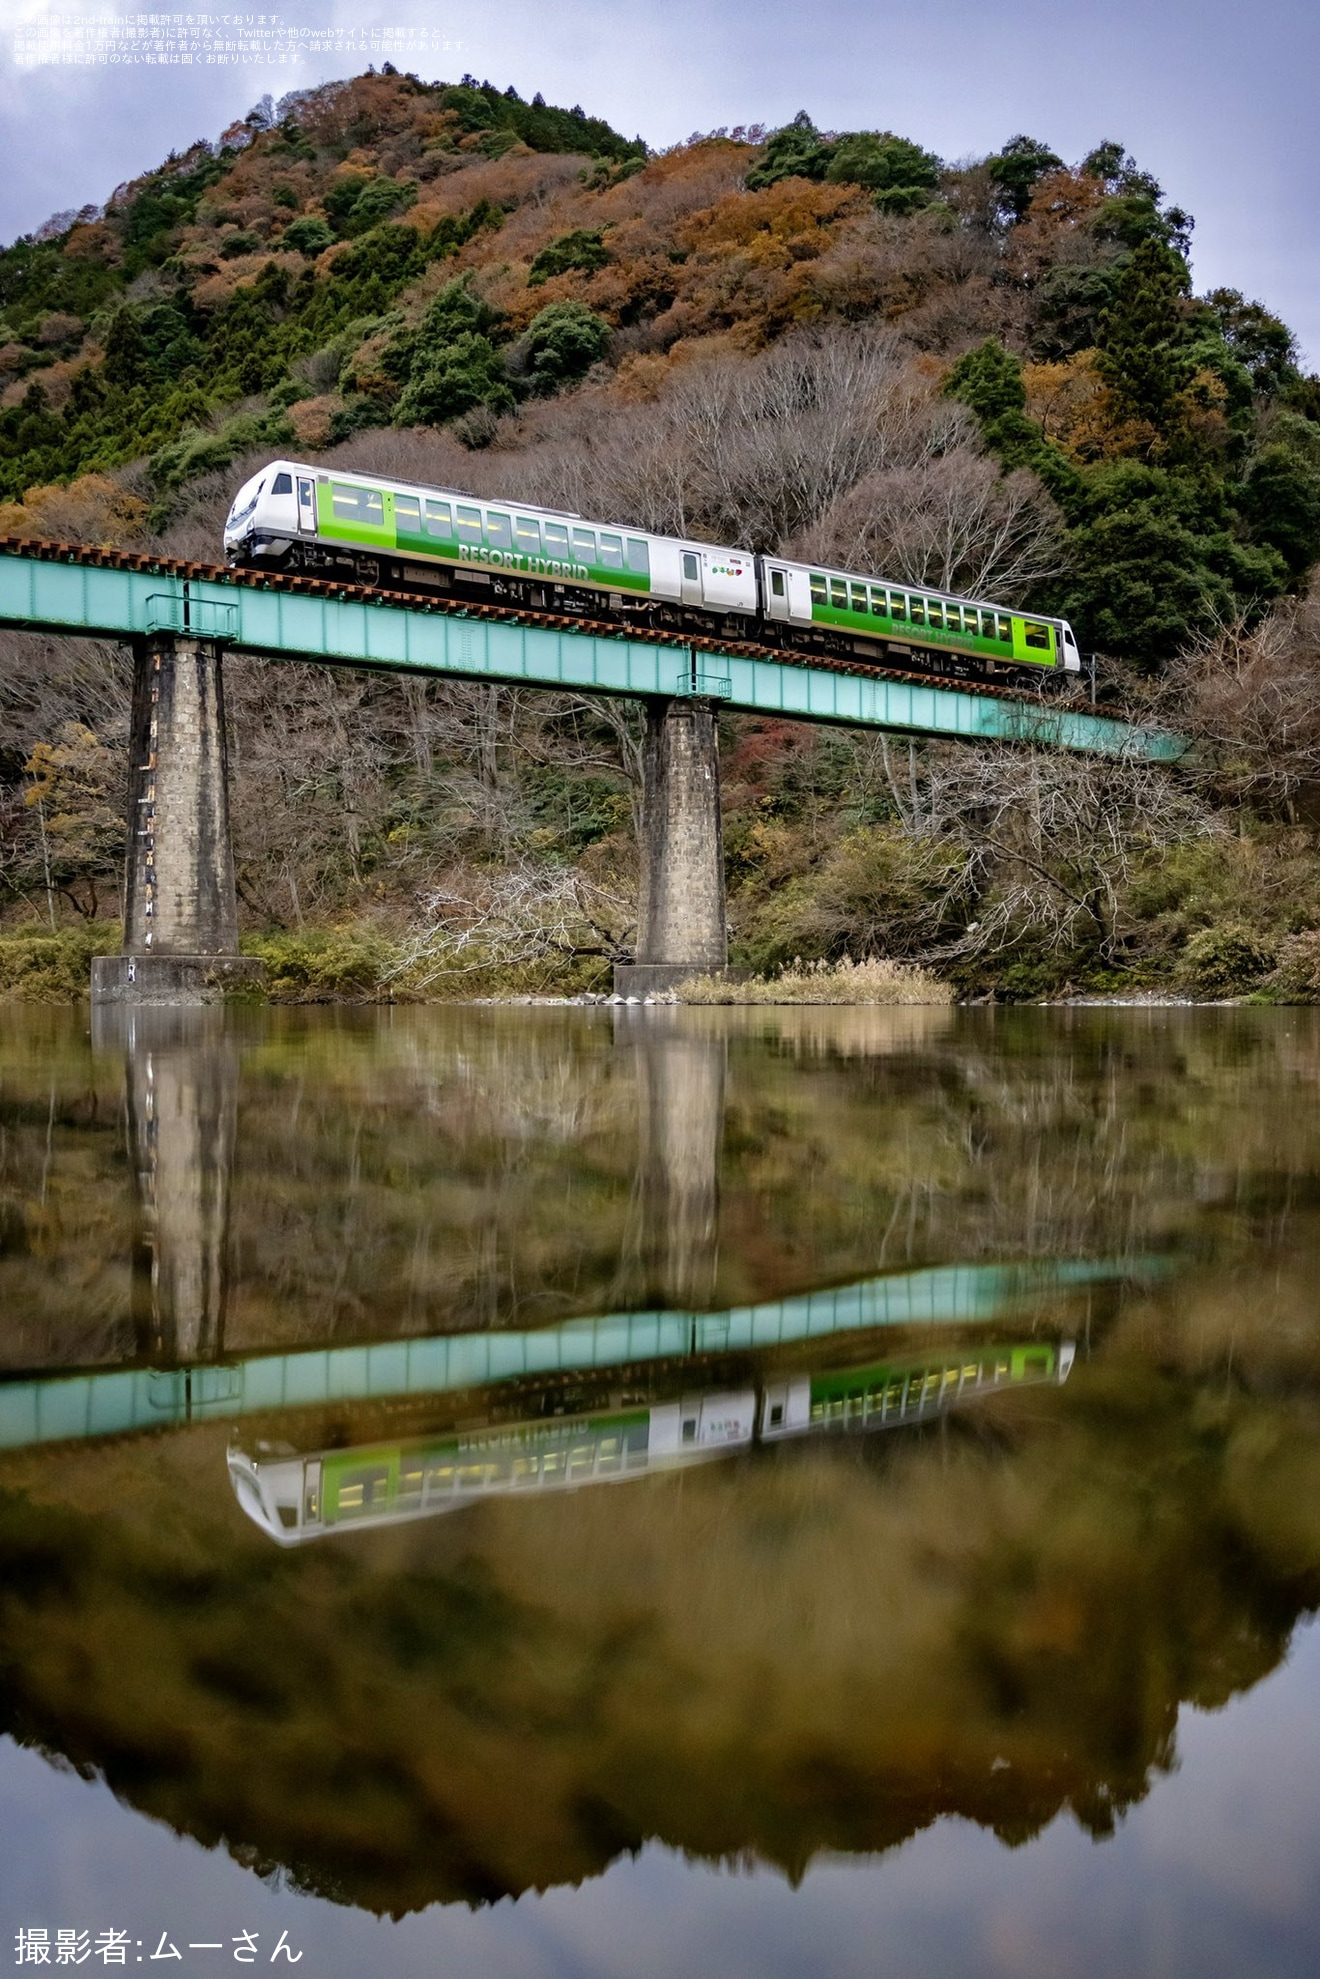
(294, 1497)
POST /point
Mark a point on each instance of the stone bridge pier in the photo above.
(681, 927)
(180, 904)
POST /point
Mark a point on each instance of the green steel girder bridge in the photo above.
(180, 617)
(57, 1408)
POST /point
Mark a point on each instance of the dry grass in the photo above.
(872, 981)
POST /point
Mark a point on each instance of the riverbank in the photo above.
(361, 963)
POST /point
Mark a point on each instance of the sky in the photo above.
(1215, 97)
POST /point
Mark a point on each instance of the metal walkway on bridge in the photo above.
(120, 595)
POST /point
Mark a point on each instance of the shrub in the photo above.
(1224, 961)
(1297, 977)
(323, 965)
(53, 966)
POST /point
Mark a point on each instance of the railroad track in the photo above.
(322, 587)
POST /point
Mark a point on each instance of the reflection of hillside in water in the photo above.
(823, 1645)
(824, 1648)
(347, 1176)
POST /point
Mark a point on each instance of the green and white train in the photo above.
(400, 536)
(294, 1497)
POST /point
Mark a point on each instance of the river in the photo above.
(556, 1493)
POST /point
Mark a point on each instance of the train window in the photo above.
(439, 521)
(357, 504)
(897, 605)
(691, 573)
(818, 595)
(611, 551)
(584, 545)
(639, 557)
(407, 515)
(499, 531)
(469, 525)
(556, 538)
(838, 594)
(879, 605)
(777, 583)
(527, 535)
(1038, 636)
(282, 485)
(1005, 630)
(953, 618)
(934, 613)
(288, 1513)
(410, 1481)
(690, 1429)
(859, 597)
(917, 610)
(987, 625)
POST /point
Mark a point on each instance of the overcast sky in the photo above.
(1216, 98)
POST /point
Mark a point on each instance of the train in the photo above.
(403, 536)
(298, 1497)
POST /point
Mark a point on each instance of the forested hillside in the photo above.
(993, 376)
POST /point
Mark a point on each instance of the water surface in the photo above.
(645, 1491)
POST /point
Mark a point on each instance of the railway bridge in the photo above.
(181, 923)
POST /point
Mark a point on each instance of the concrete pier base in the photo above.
(681, 927)
(174, 978)
(181, 907)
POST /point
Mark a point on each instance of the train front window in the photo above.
(469, 526)
(639, 557)
(527, 535)
(499, 531)
(556, 538)
(611, 551)
(407, 515)
(439, 521)
(282, 485)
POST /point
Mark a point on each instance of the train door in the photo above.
(691, 578)
(776, 592)
(306, 505)
(799, 596)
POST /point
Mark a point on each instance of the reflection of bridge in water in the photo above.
(115, 1402)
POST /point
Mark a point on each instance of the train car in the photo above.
(889, 1394)
(843, 612)
(404, 536)
(400, 535)
(295, 1498)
